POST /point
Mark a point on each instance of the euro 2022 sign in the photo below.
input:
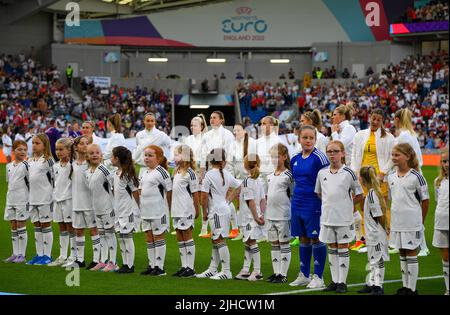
(244, 26)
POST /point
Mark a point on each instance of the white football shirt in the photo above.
(375, 233)
(251, 189)
(441, 216)
(100, 183)
(280, 189)
(41, 181)
(154, 185)
(124, 203)
(18, 184)
(182, 194)
(407, 194)
(81, 195)
(63, 184)
(213, 185)
(336, 190)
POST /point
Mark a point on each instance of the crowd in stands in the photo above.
(418, 82)
(33, 97)
(432, 11)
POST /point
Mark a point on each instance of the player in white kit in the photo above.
(278, 213)
(41, 198)
(336, 185)
(410, 199)
(185, 207)
(83, 214)
(441, 217)
(375, 222)
(62, 197)
(17, 201)
(252, 202)
(156, 192)
(215, 202)
(126, 203)
(100, 183)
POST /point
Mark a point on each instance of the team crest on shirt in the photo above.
(324, 179)
(314, 232)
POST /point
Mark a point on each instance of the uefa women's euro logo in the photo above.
(244, 26)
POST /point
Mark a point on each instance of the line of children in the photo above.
(76, 182)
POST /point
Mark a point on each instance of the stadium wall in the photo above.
(357, 57)
(18, 37)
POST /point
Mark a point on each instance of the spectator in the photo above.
(53, 135)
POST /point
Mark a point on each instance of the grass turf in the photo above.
(52, 280)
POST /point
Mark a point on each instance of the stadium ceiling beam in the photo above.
(94, 6)
(162, 4)
(22, 9)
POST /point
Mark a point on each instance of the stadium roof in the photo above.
(14, 10)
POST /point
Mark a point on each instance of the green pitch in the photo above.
(52, 280)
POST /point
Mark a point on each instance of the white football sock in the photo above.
(379, 274)
(344, 264)
(22, 240)
(129, 249)
(413, 271)
(333, 261)
(112, 245)
(47, 240)
(224, 255)
(38, 240)
(190, 253)
(445, 270)
(96, 248)
(160, 253)
(275, 254)
(183, 254)
(247, 259)
(256, 255)
(103, 246)
(285, 250)
(63, 244)
(15, 243)
(80, 248)
(404, 271)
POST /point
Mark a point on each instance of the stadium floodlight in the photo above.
(199, 106)
(157, 59)
(109, 1)
(216, 60)
(125, 1)
(280, 61)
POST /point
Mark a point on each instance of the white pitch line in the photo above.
(349, 286)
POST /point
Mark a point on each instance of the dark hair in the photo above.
(18, 143)
(245, 138)
(217, 157)
(126, 164)
(380, 112)
(116, 121)
(220, 114)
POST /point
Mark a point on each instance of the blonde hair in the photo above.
(282, 150)
(45, 140)
(369, 179)
(406, 149)
(92, 145)
(202, 120)
(404, 116)
(442, 174)
(315, 117)
(341, 147)
(345, 110)
(252, 164)
(188, 159)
